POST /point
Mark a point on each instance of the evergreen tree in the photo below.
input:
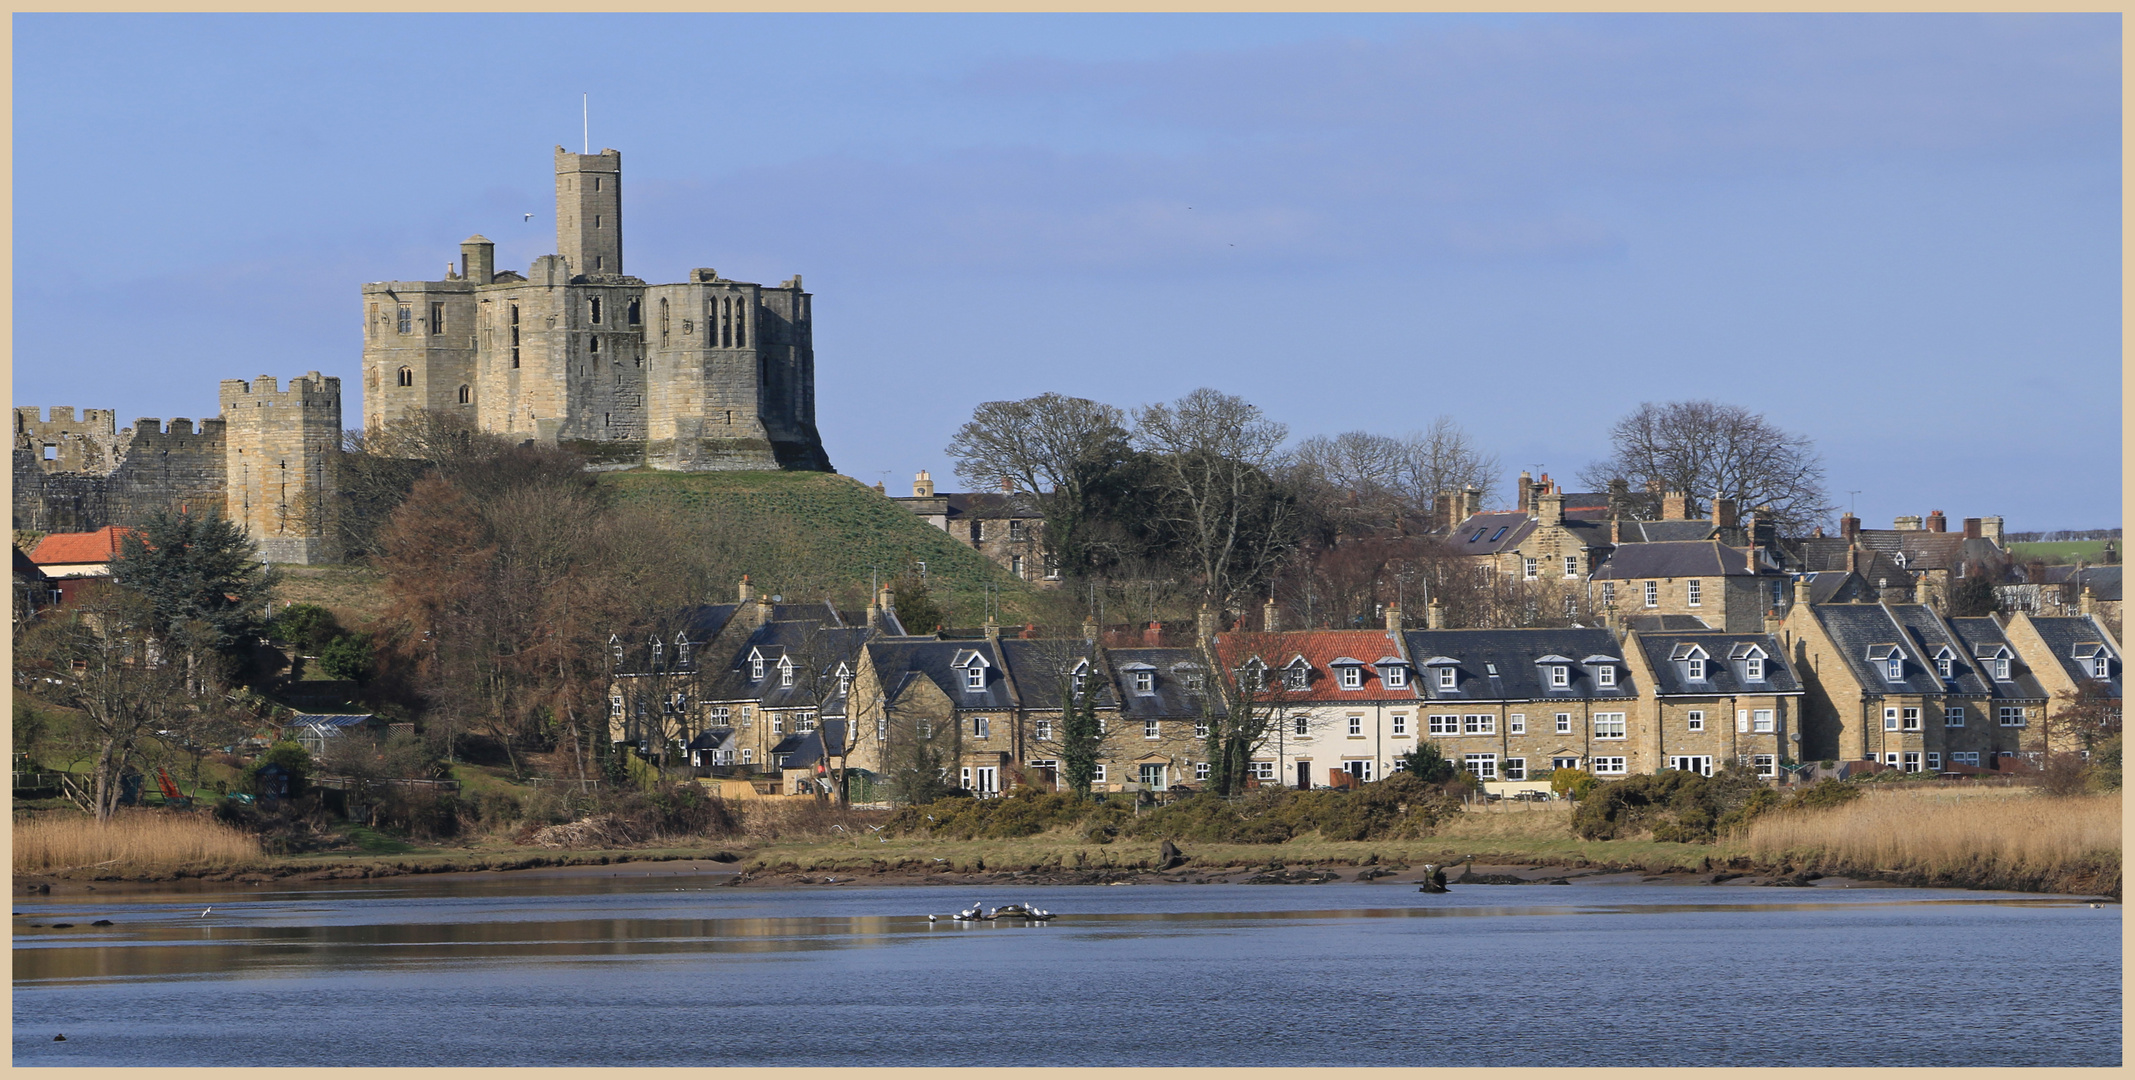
(201, 576)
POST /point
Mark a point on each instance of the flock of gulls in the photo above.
(977, 913)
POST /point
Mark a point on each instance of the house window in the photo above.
(1894, 667)
(718, 716)
(1400, 724)
(785, 673)
(1263, 770)
(405, 321)
(1015, 529)
(1480, 766)
(1965, 757)
(1144, 682)
(1560, 676)
(1564, 723)
(1200, 770)
(1395, 676)
(748, 716)
(882, 728)
(1953, 716)
(1447, 678)
(1201, 729)
(1753, 669)
(747, 755)
(1478, 724)
(1293, 678)
(756, 669)
(466, 395)
(1912, 761)
(1042, 730)
(1694, 593)
(1605, 675)
(1761, 719)
(1608, 593)
(1516, 724)
(1513, 768)
(1196, 682)
(1352, 678)
(1149, 729)
(406, 378)
(1911, 719)
(1768, 766)
(2001, 668)
(1300, 726)
(1653, 594)
(1356, 725)
(1890, 718)
(778, 723)
(1609, 725)
(1015, 565)
(1528, 565)
(1934, 762)
(981, 727)
(2012, 715)
(974, 677)
(1695, 719)
(1944, 667)
(1563, 763)
(681, 651)
(1571, 566)
(1444, 725)
(615, 705)
(2101, 666)
(1152, 776)
(806, 723)
(1608, 766)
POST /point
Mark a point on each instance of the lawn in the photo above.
(2063, 552)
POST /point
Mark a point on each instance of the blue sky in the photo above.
(1898, 235)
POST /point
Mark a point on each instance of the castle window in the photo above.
(51, 453)
(515, 335)
(741, 327)
(595, 308)
(663, 320)
(596, 183)
(726, 321)
(599, 263)
(466, 395)
(405, 320)
(593, 343)
(596, 221)
(437, 318)
(407, 376)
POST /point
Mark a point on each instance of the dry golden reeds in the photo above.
(1992, 841)
(130, 843)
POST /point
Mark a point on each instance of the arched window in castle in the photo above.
(663, 322)
(515, 335)
(407, 377)
(405, 320)
(632, 311)
(741, 325)
(726, 321)
(466, 395)
(593, 343)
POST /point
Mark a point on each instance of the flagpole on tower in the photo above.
(585, 115)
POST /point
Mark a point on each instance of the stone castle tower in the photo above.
(702, 375)
(267, 463)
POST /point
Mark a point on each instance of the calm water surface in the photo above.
(677, 971)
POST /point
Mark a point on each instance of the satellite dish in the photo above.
(778, 599)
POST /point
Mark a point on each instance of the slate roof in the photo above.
(2066, 635)
(991, 504)
(1855, 629)
(1680, 558)
(799, 641)
(1837, 586)
(1665, 623)
(1035, 664)
(1168, 696)
(713, 739)
(1726, 664)
(804, 748)
(1490, 533)
(2103, 581)
(1982, 637)
(901, 660)
(1923, 550)
(69, 549)
(1657, 532)
(1320, 650)
(1502, 665)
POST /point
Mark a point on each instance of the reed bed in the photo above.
(2030, 841)
(131, 843)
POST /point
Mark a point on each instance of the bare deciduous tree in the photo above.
(1053, 447)
(1704, 449)
(104, 656)
(1216, 456)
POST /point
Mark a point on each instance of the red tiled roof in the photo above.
(74, 548)
(1318, 647)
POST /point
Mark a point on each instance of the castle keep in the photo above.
(702, 375)
(267, 463)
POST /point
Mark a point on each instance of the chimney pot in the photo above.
(1936, 522)
(1393, 618)
(1434, 615)
(1153, 635)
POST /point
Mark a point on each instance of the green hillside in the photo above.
(2062, 552)
(807, 535)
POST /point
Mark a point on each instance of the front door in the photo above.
(1304, 776)
(1700, 764)
(989, 780)
(1153, 777)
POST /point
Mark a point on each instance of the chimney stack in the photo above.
(1434, 615)
(1971, 528)
(1675, 506)
(1615, 530)
(1393, 618)
(1153, 635)
(748, 591)
(1471, 501)
(1619, 497)
(1849, 527)
(1724, 513)
(1906, 523)
(1089, 628)
(1527, 483)
(1549, 506)
(923, 486)
(2084, 605)
(1270, 621)
(1936, 522)
(1990, 528)
(1205, 624)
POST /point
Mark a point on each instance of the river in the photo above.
(674, 969)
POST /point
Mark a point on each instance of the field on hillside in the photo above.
(2062, 552)
(355, 594)
(810, 535)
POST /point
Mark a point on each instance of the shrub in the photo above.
(1824, 795)
(1678, 806)
(347, 657)
(2105, 765)
(1427, 763)
(1578, 783)
(293, 759)
(421, 813)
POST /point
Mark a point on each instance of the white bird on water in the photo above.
(204, 914)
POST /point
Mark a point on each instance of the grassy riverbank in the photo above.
(1982, 839)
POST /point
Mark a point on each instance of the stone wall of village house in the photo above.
(1737, 604)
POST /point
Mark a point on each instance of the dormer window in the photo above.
(1254, 676)
(1294, 677)
(1395, 676)
(1898, 557)
(2001, 668)
(655, 652)
(974, 677)
(1448, 678)
(681, 650)
(1944, 666)
(1753, 669)
(1605, 675)
(2101, 666)
(756, 667)
(1352, 678)
(617, 645)
(1499, 534)
(1894, 667)
(785, 672)
(1694, 669)
(1144, 682)
(1560, 676)
(845, 681)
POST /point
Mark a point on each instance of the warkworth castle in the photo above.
(706, 374)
